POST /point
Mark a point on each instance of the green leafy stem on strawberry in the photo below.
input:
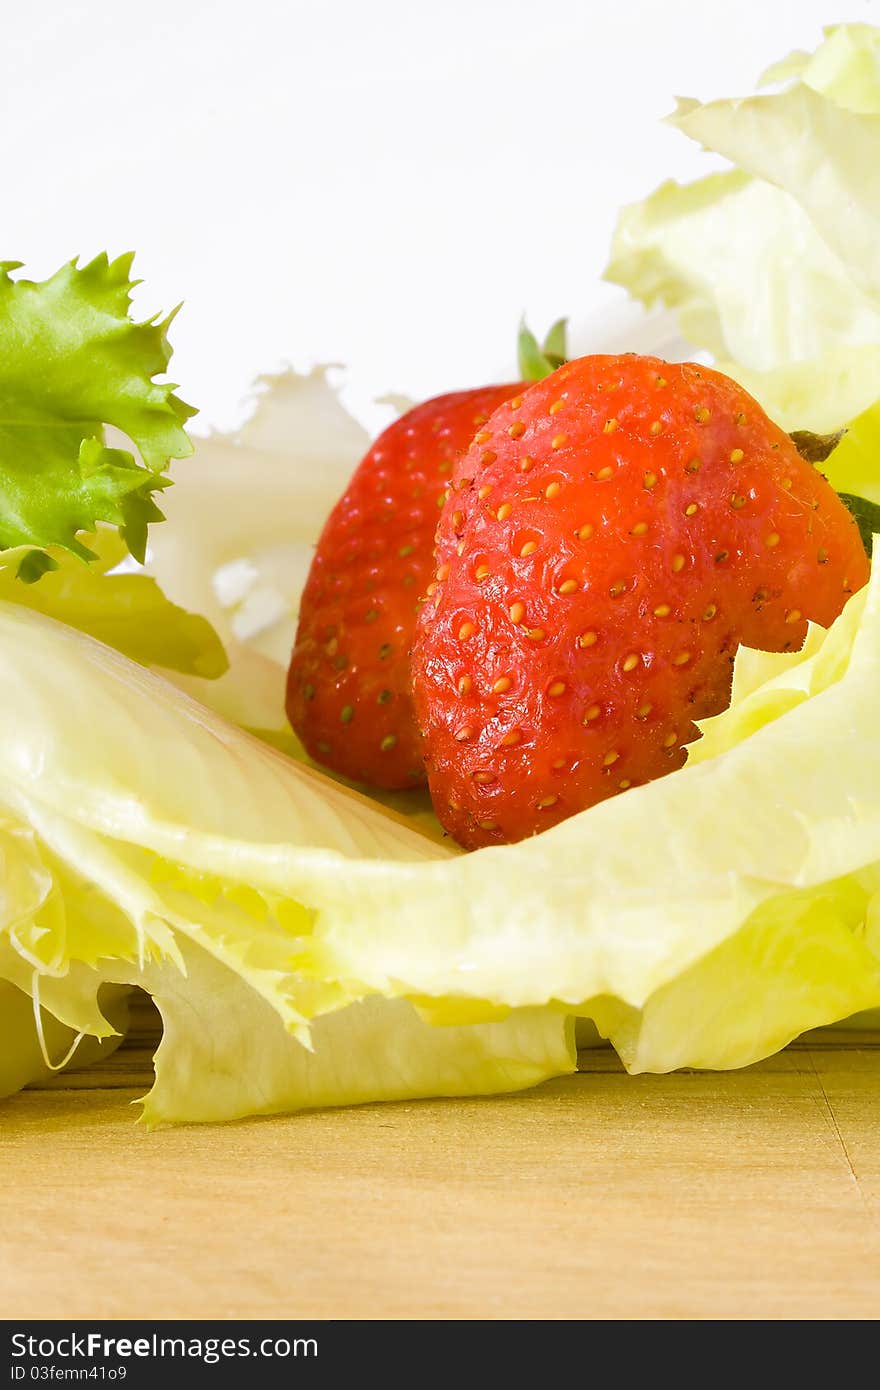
(537, 360)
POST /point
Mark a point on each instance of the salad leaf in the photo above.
(834, 169)
(767, 684)
(71, 362)
(846, 67)
(224, 1053)
(30, 1055)
(746, 923)
(773, 266)
(21, 1059)
(854, 466)
(239, 551)
(102, 892)
(126, 610)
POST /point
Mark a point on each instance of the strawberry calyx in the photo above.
(815, 448)
(537, 360)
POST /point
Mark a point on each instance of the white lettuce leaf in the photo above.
(242, 521)
(774, 267)
(126, 609)
(752, 915)
(22, 1060)
(127, 868)
(845, 67)
(31, 1054)
(821, 154)
(225, 1053)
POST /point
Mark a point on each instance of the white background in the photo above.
(387, 185)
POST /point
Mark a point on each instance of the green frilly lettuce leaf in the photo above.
(72, 361)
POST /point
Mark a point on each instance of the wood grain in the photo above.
(751, 1194)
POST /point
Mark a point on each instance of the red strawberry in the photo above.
(348, 688)
(611, 537)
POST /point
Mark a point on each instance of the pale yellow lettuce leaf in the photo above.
(169, 864)
(31, 1055)
(748, 875)
(774, 266)
(854, 467)
(821, 154)
(845, 67)
(224, 1054)
(127, 610)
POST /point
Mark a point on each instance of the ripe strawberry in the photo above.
(611, 536)
(348, 688)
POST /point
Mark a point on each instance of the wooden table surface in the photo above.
(751, 1194)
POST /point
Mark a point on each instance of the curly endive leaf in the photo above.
(773, 265)
(759, 901)
(71, 362)
(239, 550)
